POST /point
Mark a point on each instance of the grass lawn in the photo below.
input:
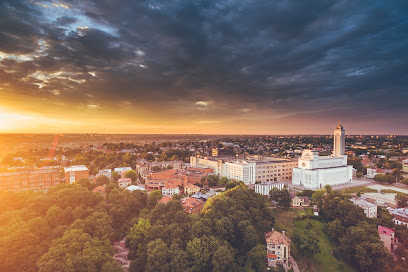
(391, 191)
(361, 189)
(324, 261)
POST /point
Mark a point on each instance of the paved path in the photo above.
(294, 264)
(382, 187)
(121, 253)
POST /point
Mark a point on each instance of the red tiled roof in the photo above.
(385, 231)
(272, 256)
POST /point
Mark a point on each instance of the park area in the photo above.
(293, 219)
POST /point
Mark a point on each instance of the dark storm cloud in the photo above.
(289, 56)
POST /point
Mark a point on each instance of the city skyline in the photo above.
(203, 67)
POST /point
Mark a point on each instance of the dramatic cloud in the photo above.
(208, 66)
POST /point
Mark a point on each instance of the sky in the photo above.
(203, 67)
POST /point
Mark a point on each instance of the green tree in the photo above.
(307, 243)
(158, 257)
(76, 251)
(102, 180)
(402, 200)
(115, 176)
(131, 174)
(280, 197)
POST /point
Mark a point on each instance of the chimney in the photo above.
(283, 233)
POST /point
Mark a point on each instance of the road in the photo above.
(121, 253)
(294, 264)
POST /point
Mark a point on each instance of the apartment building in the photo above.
(370, 209)
(30, 179)
(277, 248)
(75, 173)
(249, 170)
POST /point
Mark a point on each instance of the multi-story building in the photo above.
(105, 172)
(314, 171)
(400, 216)
(266, 171)
(180, 178)
(170, 190)
(277, 248)
(372, 171)
(265, 188)
(75, 173)
(370, 209)
(387, 236)
(30, 179)
(249, 170)
(241, 170)
(405, 166)
(144, 167)
(124, 182)
(190, 189)
(192, 205)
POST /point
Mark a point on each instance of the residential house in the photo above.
(124, 182)
(170, 190)
(387, 236)
(300, 201)
(400, 216)
(191, 189)
(370, 209)
(277, 248)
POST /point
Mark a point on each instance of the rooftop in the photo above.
(74, 168)
(362, 203)
(277, 238)
(385, 231)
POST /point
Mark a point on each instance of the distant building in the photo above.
(264, 188)
(277, 248)
(300, 201)
(30, 179)
(192, 205)
(400, 216)
(315, 210)
(387, 236)
(200, 196)
(75, 173)
(370, 209)
(241, 170)
(371, 172)
(191, 189)
(314, 172)
(249, 170)
(105, 172)
(405, 166)
(135, 188)
(124, 182)
(170, 190)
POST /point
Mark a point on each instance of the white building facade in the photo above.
(241, 170)
(265, 188)
(370, 209)
(314, 172)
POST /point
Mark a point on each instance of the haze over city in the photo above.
(211, 67)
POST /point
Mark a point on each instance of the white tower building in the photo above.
(314, 171)
(339, 141)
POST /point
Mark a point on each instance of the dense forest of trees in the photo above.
(70, 228)
(356, 235)
(227, 236)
